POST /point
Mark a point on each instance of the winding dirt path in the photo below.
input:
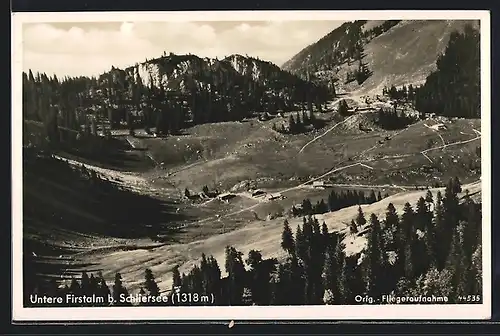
(361, 163)
(127, 178)
(325, 133)
(452, 144)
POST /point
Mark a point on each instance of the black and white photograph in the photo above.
(269, 165)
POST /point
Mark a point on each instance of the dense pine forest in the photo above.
(431, 250)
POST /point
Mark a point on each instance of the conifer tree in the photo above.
(373, 260)
(332, 268)
(451, 214)
(372, 198)
(360, 218)
(317, 253)
(428, 244)
(350, 280)
(423, 217)
(142, 293)
(453, 88)
(440, 231)
(353, 228)
(300, 243)
(281, 285)
(325, 236)
(93, 287)
(119, 292)
(312, 120)
(103, 289)
(75, 287)
(292, 126)
(307, 207)
(85, 284)
(176, 277)
(391, 228)
(305, 119)
(260, 277)
(343, 108)
(93, 126)
(472, 222)
(297, 281)
(428, 197)
(406, 236)
(150, 283)
(236, 275)
(287, 242)
(456, 264)
(306, 258)
(435, 283)
(205, 190)
(476, 279)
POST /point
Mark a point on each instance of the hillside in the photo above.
(219, 90)
(400, 54)
(263, 236)
(68, 207)
(167, 94)
(227, 154)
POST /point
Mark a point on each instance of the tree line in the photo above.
(393, 120)
(299, 122)
(405, 93)
(361, 74)
(431, 249)
(379, 29)
(336, 200)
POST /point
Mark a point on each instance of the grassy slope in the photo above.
(64, 213)
(236, 152)
(242, 230)
(259, 235)
(407, 53)
(118, 154)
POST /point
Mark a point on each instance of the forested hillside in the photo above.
(168, 93)
(365, 56)
(343, 45)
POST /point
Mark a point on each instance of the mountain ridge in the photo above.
(170, 92)
(398, 52)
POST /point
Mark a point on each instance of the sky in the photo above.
(91, 48)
